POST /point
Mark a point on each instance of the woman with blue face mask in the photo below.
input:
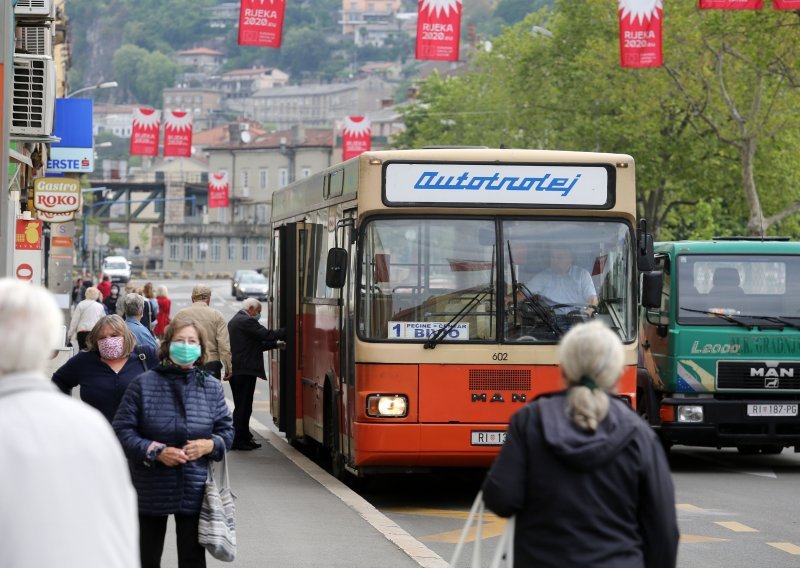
(171, 421)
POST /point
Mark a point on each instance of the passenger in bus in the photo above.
(586, 478)
(564, 282)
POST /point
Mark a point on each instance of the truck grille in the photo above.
(761, 375)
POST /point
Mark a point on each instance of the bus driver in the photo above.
(564, 282)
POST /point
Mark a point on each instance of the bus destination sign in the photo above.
(425, 329)
(500, 184)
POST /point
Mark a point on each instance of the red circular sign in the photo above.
(24, 272)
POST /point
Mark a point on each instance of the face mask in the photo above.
(257, 316)
(184, 353)
(110, 347)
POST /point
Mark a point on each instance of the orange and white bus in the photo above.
(422, 302)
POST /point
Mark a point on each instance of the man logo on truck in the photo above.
(771, 372)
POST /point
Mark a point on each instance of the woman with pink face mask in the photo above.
(105, 369)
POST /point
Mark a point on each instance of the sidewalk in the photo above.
(292, 514)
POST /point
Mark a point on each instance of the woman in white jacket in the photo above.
(87, 313)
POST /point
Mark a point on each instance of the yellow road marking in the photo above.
(689, 508)
(694, 538)
(492, 524)
(786, 547)
(735, 527)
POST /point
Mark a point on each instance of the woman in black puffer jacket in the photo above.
(171, 421)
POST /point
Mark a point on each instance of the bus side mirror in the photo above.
(651, 289)
(645, 261)
(336, 268)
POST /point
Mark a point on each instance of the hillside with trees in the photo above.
(712, 132)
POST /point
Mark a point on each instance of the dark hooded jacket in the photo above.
(584, 499)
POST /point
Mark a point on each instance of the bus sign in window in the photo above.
(501, 184)
(425, 329)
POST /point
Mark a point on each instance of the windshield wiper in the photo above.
(778, 319)
(442, 332)
(726, 317)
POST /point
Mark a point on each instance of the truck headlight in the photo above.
(387, 405)
(690, 413)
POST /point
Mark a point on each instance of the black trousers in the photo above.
(243, 388)
(152, 530)
(81, 336)
(215, 368)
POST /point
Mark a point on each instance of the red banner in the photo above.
(731, 4)
(640, 35)
(438, 29)
(146, 127)
(177, 134)
(786, 4)
(261, 22)
(356, 136)
(218, 190)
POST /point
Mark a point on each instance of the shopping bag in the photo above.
(217, 526)
(503, 554)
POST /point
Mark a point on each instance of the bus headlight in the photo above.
(387, 405)
(690, 413)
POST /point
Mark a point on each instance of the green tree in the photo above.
(125, 65)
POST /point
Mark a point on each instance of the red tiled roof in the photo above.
(200, 51)
(313, 137)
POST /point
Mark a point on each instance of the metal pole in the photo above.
(7, 213)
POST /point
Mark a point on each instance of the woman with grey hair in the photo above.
(105, 369)
(64, 479)
(86, 314)
(586, 478)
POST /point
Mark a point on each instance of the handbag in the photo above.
(505, 546)
(217, 526)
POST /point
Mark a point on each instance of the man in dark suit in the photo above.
(249, 340)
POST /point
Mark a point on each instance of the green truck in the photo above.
(719, 357)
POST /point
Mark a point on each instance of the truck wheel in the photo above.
(747, 450)
(771, 449)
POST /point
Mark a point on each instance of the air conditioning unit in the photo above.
(34, 95)
(34, 40)
(35, 9)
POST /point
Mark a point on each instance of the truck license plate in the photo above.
(772, 410)
(488, 438)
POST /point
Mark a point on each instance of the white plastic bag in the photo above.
(505, 547)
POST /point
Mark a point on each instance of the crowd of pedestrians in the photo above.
(154, 395)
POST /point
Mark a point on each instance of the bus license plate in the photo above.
(772, 410)
(488, 438)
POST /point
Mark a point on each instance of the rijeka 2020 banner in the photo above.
(218, 190)
(146, 127)
(177, 134)
(640, 36)
(731, 4)
(356, 136)
(261, 22)
(438, 29)
(786, 4)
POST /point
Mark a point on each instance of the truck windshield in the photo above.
(439, 278)
(741, 286)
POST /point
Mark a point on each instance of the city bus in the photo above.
(407, 284)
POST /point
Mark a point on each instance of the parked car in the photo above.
(117, 268)
(252, 285)
(237, 276)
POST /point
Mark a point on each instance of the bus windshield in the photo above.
(723, 289)
(420, 275)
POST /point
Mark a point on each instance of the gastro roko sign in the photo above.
(56, 195)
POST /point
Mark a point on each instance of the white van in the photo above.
(117, 268)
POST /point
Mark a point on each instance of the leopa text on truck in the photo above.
(403, 279)
(720, 344)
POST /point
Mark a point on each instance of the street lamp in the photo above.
(105, 85)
